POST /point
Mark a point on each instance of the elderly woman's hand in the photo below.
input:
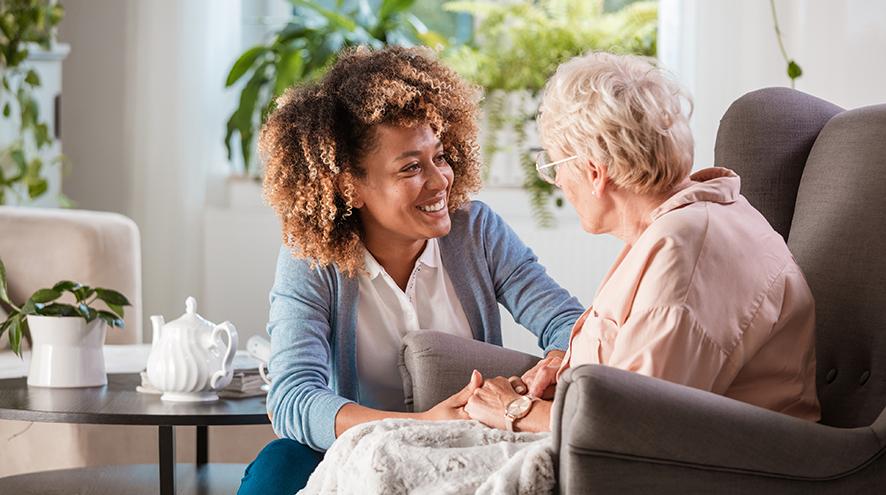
(487, 403)
(541, 380)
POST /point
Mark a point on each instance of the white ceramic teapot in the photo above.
(189, 362)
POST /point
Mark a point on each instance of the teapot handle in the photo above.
(222, 377)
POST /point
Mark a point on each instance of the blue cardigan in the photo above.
(314, 313)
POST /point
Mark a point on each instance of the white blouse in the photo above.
(385, 314)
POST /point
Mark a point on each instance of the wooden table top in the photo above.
(119, 403)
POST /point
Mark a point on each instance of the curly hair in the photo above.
(313, 142)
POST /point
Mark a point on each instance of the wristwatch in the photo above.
(518, 408)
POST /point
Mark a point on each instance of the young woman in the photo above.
(370, 170)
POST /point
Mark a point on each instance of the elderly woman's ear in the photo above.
(596, 177)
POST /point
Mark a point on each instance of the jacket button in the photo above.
(831, 375)
(864, 377)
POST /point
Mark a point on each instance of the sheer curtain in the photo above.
(180, 53)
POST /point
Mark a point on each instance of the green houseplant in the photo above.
(518, 46)
(304, 48)
(24, 26)
(44, 302)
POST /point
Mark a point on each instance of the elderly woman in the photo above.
(705, 293)
(369, 170)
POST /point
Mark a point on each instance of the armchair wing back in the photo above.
(819, 175)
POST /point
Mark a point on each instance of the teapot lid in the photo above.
(190, 319)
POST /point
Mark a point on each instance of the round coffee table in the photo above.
(118, 403)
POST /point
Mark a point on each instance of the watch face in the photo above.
(519, 406)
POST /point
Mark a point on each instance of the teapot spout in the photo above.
(157, 323)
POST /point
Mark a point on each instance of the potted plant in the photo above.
(66, 339)
(26, 26)
(303, 49)
(517, 47)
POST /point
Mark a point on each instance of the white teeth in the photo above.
(434, 207)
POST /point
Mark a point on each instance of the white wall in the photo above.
(721, 49)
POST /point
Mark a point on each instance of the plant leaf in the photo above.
(37, 188)
(111, 319)
(289, 68)
(332, 17)
(794, 70)
(86, 312)
(32, 78)
(4, 296)
(82, 292)
(15, 335)
(392, 7)
(242, 65)
(29, 308)
(59, 309)
(65, 285)
(117, 309)
(112, 297)
(45, 296)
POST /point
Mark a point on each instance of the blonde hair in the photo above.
(623, 112)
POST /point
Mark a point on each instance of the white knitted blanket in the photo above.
(446, 457)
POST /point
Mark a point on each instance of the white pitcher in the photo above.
(189, 362)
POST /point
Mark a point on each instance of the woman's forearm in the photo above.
(354, 414)
(538, 419)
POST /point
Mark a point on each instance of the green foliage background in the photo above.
(517, 48)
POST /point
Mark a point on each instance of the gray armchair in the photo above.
(818, 174)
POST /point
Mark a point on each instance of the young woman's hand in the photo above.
(453, 407)
(541, 380)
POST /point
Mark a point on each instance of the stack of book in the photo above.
(247, 381)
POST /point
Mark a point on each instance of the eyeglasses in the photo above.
(547, 169)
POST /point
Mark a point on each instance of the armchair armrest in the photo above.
(435, 365)
(603, 412)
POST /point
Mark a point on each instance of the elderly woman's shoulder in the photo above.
(680, 233)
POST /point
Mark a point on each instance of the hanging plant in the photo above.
(793, 69)
(519, 45)
(24, 25)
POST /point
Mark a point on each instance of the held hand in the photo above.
(541, 380)
(487, 403)
(453, 407)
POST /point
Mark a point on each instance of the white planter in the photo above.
(67, 352)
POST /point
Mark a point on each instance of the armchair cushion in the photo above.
(435, 365)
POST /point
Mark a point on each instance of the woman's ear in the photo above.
(346, 185)
(596, 177)
(601, 180)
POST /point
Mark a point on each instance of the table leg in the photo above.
(202, 445)
(167, 460)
